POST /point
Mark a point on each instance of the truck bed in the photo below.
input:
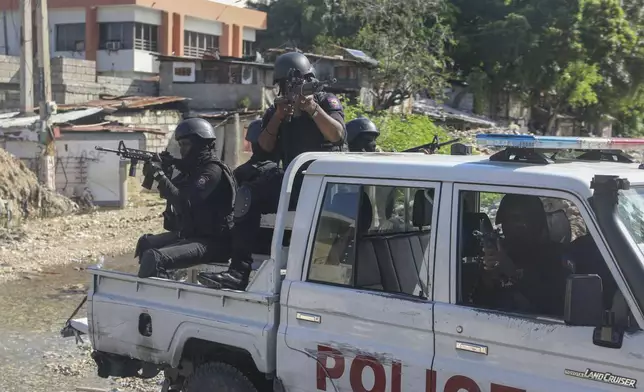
(152, 319)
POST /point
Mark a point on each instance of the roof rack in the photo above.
(533, 149)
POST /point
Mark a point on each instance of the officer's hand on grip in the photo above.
(307, 104)
(283, 110)
(152, 169)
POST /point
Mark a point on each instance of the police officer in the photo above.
(527, 259)
(260, 162)
(361, 135)
(203, 201)
(320, 127)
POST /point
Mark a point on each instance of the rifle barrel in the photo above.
(99, 148)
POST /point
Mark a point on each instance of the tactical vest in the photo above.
(289, 146)
(171, 217)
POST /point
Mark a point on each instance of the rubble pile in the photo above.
(21, 196)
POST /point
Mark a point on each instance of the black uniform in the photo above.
(202, 197)
(261, 196)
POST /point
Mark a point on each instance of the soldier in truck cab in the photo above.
(320, 127)
(202, 197)
(525, 261)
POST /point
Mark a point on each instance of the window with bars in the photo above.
(146, 37)
(129, 35)
(195, 44)
(247, 48)
(121, 32)
(70, 37)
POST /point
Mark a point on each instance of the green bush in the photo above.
(399, 132)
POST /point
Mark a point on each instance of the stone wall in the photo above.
(164, 120)
(73, 81)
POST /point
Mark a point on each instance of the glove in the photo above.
(153, 169)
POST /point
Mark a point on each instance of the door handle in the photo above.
(312, 318)
(471, 347)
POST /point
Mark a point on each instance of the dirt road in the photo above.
(33, 356)
(43, 279)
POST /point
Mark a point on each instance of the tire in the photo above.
(218, 377)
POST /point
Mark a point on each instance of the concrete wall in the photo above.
(163, 120)
(73, 81)
(220, 96)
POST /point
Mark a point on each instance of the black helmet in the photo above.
(197, 127)
(361, 126)
(291, 61)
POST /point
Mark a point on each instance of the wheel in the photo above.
(216, 377)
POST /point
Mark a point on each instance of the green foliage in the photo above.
(399, 132)
(579, 57)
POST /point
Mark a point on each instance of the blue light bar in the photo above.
(558, 142)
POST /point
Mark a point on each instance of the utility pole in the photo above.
(47, 107)
(26, 59)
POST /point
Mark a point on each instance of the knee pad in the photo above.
(243, 202)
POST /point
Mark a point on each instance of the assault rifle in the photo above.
(432, 146)
(488, 237)
(297, 86)
(135, 156)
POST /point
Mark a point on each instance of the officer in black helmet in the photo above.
(361, 135)
(319, 127)
(203, 198)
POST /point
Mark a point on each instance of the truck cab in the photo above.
(384, 286)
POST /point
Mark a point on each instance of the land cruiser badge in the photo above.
(604, 377)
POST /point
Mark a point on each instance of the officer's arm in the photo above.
(199, 188)
(270, 129)
(329, 117)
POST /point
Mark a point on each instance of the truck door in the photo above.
(505, 331)
(360, 316)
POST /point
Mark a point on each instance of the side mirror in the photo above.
(584, 301)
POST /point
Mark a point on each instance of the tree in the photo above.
(408, 38)
(295, 23)
(563, 56)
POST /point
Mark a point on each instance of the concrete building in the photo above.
(123, 36)
(145, 123)
(227, 84)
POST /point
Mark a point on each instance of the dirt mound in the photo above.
(21, 196)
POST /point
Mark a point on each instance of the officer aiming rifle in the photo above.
(135, 156)
(296, 86)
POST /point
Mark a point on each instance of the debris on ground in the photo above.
(21, 196)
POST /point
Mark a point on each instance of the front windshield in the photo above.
(630, 210)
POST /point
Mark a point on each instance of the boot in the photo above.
(231, 279)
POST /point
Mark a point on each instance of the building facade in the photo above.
(124, 36)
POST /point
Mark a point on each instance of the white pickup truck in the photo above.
(379, 287)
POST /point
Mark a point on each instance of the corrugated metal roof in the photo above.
(109, 128)
(58, 118)
(125, 102)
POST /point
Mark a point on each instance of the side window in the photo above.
(515, 253)
(374, 238)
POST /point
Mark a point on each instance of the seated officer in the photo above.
(203, 200)
(319, 127)
(361, 135)
(526, 259)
